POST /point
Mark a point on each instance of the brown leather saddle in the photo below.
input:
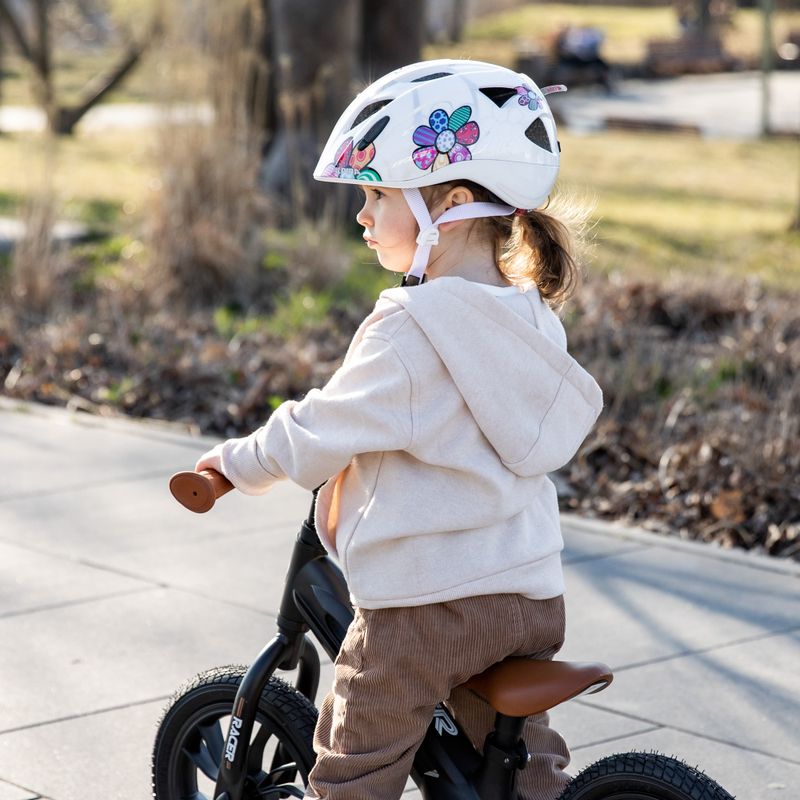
(520, 687)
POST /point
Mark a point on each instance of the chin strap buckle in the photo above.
(429, 237)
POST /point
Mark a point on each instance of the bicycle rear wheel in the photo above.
(642, 776)
(191, 739)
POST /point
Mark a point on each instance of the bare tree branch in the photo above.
(35, 48)
(99, 86)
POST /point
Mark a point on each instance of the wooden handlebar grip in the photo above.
(198, 491)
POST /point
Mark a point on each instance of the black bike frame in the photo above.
(315, 598)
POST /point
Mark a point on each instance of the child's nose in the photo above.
(363, 218)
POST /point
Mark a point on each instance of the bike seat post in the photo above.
(504, 753)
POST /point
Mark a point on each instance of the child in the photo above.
(435, 437)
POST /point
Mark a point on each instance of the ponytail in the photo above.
(538, 248)
(541, 249)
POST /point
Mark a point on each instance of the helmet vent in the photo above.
(432, 77)
(499, 95)
(537, 133)
(372, 134)
(368, 111)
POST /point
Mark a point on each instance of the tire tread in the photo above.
(668, 772)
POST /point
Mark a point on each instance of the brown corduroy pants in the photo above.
(396, 664)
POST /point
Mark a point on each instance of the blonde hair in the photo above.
(541, 248)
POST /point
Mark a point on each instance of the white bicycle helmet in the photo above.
(444, 120)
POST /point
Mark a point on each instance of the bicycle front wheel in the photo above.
(642, 776)
(191, 739)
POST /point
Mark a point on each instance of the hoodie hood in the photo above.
(506, 353)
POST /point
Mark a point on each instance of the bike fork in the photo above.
(233, 770)
(290, 648)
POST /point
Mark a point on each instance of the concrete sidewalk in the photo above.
(111, 595)
(725, 105)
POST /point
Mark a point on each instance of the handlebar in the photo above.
(198, 491)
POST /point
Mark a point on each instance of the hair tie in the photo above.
(521, 212)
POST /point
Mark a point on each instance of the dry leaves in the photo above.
(701, 432)
(700, 436)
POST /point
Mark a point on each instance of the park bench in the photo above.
(691, 53)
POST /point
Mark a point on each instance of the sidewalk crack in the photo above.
(757, 637)
(95, 713)
(79, 487)
(76, 602)
(688, 731)
(609, 739)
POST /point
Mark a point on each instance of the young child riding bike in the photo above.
(434, 439)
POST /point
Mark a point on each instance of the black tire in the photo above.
(642, 776)
(191, 733)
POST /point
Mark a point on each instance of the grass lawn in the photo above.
(672, 203)
(72, 70)
(88, 172)
(663, 203)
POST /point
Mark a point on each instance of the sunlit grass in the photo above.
(672, 203)
(663, 203)
(73, 69)
(90, 172)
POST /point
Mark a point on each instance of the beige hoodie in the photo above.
(434, 440)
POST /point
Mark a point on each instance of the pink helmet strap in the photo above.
(429, 230)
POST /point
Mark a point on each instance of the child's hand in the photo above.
(228, 458)
(211, 460)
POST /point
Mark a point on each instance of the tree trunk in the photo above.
(458, 20)
(315, 63)
(704, 17)
(392, 35)
(319, 62)
(36, 53)
(260, 82)
(43, 76)
(2, 62)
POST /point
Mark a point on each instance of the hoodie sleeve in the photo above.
(365, 407)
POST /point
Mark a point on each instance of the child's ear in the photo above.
(457, 196)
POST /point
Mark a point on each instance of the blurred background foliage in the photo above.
(164, 252)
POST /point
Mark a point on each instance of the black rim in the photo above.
(273, 763)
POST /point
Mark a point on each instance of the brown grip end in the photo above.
(198, 491)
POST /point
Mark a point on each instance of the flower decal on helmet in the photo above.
(528, 97)
(444, 141)
(351, 162)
